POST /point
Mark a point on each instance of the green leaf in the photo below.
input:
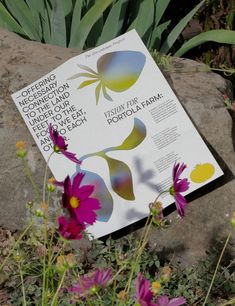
(97, 92)
(106, 95)
(37, 8)
(77, 14)
(67, 6)
(120, 177)
(219, 36)
(8, 22)
(135, 138)
(45, 21)
(112, 24)
(24, 16)
(57, 22)
(171, 38)
(95, 33)
(83, 74)
(144, 20)
(82, 28)
(157, 34)
(87, 83)
(160, 9)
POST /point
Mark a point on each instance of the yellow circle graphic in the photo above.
(202, 173)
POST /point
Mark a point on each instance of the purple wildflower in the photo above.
(70, 230)
(179, 185)
(60, 146)
(143, 291)
(92, 282)
(77, 200)
(163, 300)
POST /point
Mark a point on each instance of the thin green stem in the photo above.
(142, 244)
(15, 245)
(22, 286)
(216, 269)
(99, 298)
(45, 179)
(45, 271)
(30, 177)
(54, 300)
(231, 302)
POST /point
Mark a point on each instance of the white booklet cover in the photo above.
(122, 119)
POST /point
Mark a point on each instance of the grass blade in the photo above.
(168, 43)
(156, 35)
(160, 9)
(144, 20)
(37, 8)
(57, 22)
(219, 36)
(76, 18)
(20, 10)
(45, 21)
(67, 6)
(82, 28)
(8, 22)
(112, 25)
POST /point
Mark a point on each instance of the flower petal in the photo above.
(71, 156)
(77, 181)
(163, 300)
(84, 192)
(174, 170)
(180, 203)
(181, 185)
(177, 301)
(51, 132)
(84, 213)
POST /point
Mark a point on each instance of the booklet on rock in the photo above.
(121, 118)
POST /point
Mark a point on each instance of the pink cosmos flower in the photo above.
(77, 200)
(70, 230)
(92, 283)
(163, 300)
(60, 146)
(179, 185)
(143, 291)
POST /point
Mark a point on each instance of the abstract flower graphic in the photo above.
(119, 172)
(117, 71)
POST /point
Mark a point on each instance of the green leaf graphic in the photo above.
(135, 138)
(120, 177)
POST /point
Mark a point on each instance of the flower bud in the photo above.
(232, 221)
(38, 213)
(166, 274)
(21, 149)
(29, 204)
(50, 185)
(65, 262)
(122, 295)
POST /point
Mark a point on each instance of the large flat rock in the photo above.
(23, 62)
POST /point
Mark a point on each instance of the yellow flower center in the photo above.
(74, 202)
(156, 286)
(56, 149)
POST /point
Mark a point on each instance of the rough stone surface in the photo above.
(23, 62)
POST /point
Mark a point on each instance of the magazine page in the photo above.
(121, 118)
